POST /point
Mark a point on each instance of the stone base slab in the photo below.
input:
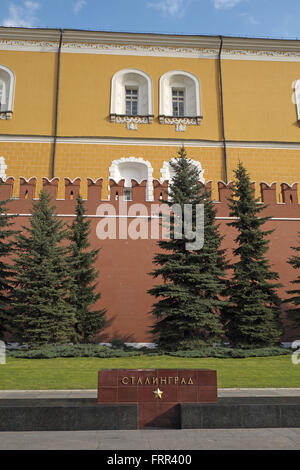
(65, 415)
(87, 414)
(242, 412)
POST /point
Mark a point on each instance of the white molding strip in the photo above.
(108, 49)
(110, 141)
(163, 48)
(267, 56)
(28, 46)
(27, 139)
(150, 142)
(264, 145)
(139, 51)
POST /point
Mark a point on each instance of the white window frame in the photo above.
(180, 79)
(7, 77)
(297, 98)
(131, 78)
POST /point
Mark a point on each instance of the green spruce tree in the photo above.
(7, 235)
(187, 312)
(84, 290)
(294, 313)
(252, 317)
(43, 313)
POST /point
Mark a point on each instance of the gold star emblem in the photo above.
(158, 393)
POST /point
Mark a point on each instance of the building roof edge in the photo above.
(144, 39)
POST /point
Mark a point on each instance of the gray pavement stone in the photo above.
(49, 441)
(199, 439)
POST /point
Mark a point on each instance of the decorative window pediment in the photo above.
(7, 88)
(131, 98)
(179, 99)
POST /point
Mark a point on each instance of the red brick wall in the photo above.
(124, 264)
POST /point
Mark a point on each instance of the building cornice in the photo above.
(102, 37)
(171, 40)
(78, 41)
(261, 44)
(29, 34)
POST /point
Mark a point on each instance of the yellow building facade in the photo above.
(114, 105)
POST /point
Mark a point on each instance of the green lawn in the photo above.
(81, 373)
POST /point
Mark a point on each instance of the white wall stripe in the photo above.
(150, 142)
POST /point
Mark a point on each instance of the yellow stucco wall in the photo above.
(26, 160)
(93, 160)
(259, 100)
(35, 87)
(266, 165)
(258, 107)
(86, 88)
(258, 96)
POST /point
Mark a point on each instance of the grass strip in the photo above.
(82, 373)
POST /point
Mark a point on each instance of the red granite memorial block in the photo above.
(157, 392)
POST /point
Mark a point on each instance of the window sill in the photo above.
(181, 122)
(131, 121)
(5, 115)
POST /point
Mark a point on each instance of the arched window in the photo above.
(297, 99)
(129, 169)
(179, 99)
(7, 88)
(167, 171)
(131, 98)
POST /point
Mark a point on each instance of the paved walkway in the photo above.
(181, 439)
(171, 439)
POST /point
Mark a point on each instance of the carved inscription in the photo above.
(157, 381)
